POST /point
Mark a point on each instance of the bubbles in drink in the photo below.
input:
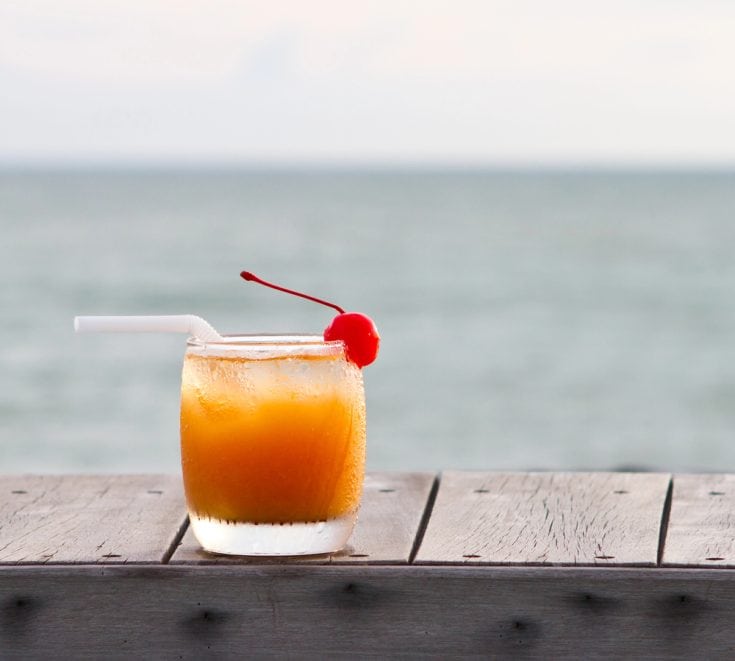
(272, 440)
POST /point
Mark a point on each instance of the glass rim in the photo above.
(248, 339)
(265, 344)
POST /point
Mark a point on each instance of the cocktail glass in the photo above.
(272, 444)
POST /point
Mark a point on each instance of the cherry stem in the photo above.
(251, 277)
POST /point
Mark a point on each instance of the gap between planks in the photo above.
(423, 524)
(176, 541)
(664, 526)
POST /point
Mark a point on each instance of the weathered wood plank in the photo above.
(546, 518)
(89, 519)
(317, 612)
(701, 531)
(391, 511)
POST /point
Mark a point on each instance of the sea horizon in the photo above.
(364, 165)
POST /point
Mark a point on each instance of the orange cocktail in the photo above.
(272, 444)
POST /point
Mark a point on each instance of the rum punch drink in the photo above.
(272, 429)
(272, 444)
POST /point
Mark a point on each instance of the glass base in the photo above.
(271, 539)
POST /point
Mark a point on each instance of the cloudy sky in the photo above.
(519, 82)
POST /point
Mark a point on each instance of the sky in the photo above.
(383, 81)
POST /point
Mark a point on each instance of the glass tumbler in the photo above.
(272, 444)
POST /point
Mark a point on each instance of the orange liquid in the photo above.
(272, 440)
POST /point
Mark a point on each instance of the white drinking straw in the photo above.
(174, 323)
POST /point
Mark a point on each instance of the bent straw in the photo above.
(177, 323)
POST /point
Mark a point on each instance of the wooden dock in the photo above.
(461, 565)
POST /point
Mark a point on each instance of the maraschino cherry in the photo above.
(356, 330)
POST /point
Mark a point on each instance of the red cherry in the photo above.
(359, 334)
(356, 330)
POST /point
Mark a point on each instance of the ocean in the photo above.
(529, 319)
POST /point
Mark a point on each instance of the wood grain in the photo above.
(701, 531)
(546, 518)
(390, 515)
(318, 612)
(89, 519)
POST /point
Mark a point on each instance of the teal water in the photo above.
(529, 319)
